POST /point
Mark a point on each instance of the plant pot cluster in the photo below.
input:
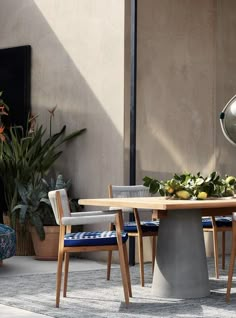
(27, 157)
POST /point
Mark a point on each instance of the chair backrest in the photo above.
(128, 191)
(64, 204)
(116, 191)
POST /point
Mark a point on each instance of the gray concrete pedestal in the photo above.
(181, 266)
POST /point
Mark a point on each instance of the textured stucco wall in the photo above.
(176, 87)
(186, 72)
(78, 65)
(226, 79)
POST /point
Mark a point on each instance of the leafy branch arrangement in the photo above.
(188, 186)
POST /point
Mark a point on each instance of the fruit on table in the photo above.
(230, 180)
(202, 195)
(183, 194)
(228, 193)
(169, 189)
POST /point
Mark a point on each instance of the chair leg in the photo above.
(109, 259)
(141, 262)
(127, 269)
(66, 270)
(124, 277)
(59, 274)
(154, 244)
(223, 250)
(216, 253)
(123, 268)
(231, 268)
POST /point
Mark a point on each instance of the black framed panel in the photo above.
(15, 79)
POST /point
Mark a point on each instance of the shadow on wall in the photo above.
(96, 158)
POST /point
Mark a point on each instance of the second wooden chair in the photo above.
(217, 225)
(138, 228)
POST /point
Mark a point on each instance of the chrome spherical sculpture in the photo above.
(228, 120)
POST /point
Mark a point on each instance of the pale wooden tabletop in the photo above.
(160, 203)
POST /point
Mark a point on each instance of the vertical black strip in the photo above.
(133, 84)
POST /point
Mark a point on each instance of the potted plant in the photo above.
(27, 156)
(35, 209)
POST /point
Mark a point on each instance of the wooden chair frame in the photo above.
(139, 234)
(232, 258)
(63, 252)
(215, 230)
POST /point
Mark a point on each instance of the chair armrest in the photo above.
(92, 213)
(89, 219)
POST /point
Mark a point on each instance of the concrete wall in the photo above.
(186, 74)
(78, 65)
(226, 79)
(176, 87)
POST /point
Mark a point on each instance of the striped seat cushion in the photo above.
(93, 238)
(147, 226)
(220, 221)
(7, 242)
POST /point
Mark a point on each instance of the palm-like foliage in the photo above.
(27, 156)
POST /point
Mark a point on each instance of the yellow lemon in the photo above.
(229, 179)
(183, 194)
(202, 195)
(228, 193)
(169, 190)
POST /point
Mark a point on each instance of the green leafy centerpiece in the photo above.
(189, 186)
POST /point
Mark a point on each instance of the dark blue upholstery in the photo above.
(220, 221)
(93, 238)
(7, 242)
(147, 226)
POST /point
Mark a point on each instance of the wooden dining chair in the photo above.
(137, 228)
(217, 225)
(87, 241)
(232, 257)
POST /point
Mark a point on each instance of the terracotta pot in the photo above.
(47, 249)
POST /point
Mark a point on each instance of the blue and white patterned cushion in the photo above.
(220, 221)
(7, 242)
(93, 238)
(147, 226)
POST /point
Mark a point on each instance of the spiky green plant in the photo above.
(34, 206)
(27, 156)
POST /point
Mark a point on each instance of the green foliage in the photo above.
(34, 205)
(60, 183)
(27, 156)
(189, 186)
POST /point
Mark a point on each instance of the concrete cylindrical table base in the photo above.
(181, 265)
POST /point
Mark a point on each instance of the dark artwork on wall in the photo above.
(15, 70)
(15, 66)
